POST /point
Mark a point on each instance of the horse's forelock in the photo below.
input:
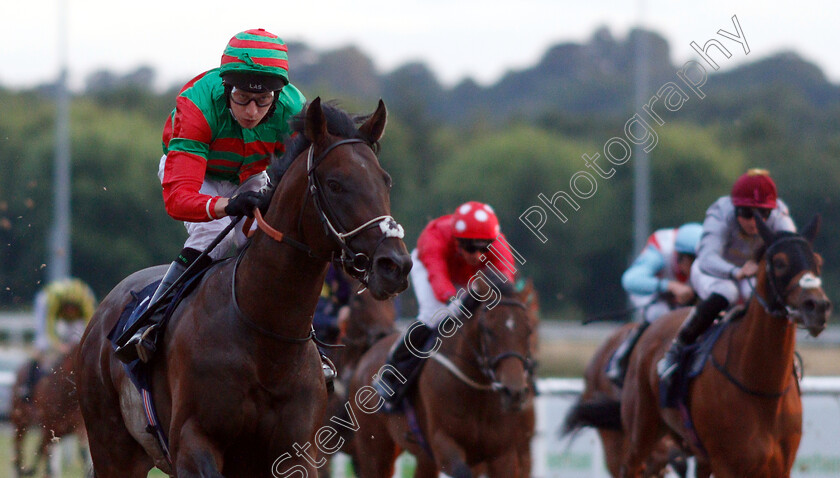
(339, 123)
(759, 253)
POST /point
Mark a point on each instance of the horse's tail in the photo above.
(597, 413)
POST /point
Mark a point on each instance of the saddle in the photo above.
(138, 372)
(694, 359)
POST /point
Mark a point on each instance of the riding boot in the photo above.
(403, 366)
(697, 322)
(617, 367)
(142, 344)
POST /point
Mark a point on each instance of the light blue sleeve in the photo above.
(640, 278)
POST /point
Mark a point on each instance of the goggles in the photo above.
(474, 245)
(747, 212)
(244, 98)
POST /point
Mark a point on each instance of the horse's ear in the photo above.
(373, 128)
(316, 123)
(763, 230)
(812, 229)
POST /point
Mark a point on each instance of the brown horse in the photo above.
(237, 381)
(746, 407)
(53, 408)
(598, 386)
(473, 399)
(369, 321)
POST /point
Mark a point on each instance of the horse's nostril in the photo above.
(387, 267)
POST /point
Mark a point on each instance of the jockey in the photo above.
(217, 144)
(725, 266)
(657, 282)
(450, 250)
(333, 306)
(62, 311)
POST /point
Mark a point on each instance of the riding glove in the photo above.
(243, 204)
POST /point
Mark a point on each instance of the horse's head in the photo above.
(343, 196)
(789, 277)
(505, 327)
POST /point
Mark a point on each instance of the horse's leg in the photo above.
(643, 430)
(524, 459)
(195, 454)
(612, 441)
(702, 470)
(118, 456)
(426, 468)
(450, 456)
(20, 436)
(374, 450)
(505, 466)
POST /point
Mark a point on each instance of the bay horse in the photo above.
(237, 380)
(746, 408)
(53, 409)
(369, 321)
(473, 400)
(598, 386)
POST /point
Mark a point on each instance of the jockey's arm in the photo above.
(641, 277)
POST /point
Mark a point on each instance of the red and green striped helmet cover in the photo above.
(256, 52)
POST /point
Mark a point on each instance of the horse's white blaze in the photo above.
(810, 281)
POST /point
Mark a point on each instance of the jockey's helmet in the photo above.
(475, 220)
(755, 189)
(255, 61)
(687, 238)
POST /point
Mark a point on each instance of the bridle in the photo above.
(356, 264)
(777, 305)
(487, 364)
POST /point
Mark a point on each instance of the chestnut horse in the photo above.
(53, 409)
(746, 407)
(473, 399)
(597, 386)
(237, 380)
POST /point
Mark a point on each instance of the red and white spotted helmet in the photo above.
(475, 220)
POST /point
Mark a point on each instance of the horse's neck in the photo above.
(765, 346)
(277, 287)
(463, 349)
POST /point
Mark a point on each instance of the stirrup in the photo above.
(330, 372)
(140, 346)
(615, 373)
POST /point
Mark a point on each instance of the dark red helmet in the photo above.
(755, 188)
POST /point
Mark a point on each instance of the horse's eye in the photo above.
(334, 186)
(780, 265)
(388, 181)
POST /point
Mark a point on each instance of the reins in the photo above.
(487, 364)
(243, 318)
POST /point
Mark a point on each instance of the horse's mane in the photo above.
(339, 123)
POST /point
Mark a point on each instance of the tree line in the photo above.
(778, 115)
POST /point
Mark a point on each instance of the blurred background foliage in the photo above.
(503, 144)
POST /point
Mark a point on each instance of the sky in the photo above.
(456, 38)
